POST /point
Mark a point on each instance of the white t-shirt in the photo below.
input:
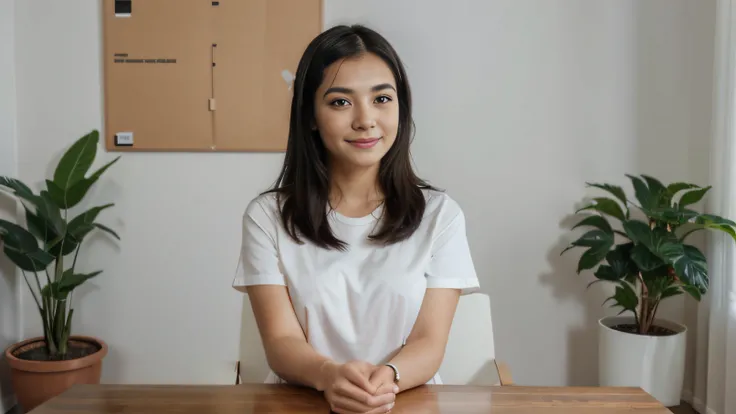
(360, 303)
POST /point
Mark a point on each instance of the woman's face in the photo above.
(357, 111)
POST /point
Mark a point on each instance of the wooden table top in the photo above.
(428, 399)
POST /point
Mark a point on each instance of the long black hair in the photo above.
(303, 184)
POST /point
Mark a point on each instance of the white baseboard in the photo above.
(696, 403)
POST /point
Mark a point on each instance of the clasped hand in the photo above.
(357, 387)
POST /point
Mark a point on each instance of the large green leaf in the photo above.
(58, 195)
(708, 219)
(645, 260)
(625, 297)
(17, 237)
(60, 289)
(21, 190)
(65, 246)
(50, 212)
(642, 192)
(54, 243)
(693, 291)
(670, 291)
(637, 230)
(596, 252)
(658, 281)
(606, 206)
(76, 193)
(657, 191)
(672, 215)
(76, 161)
(107, 230)
(42, 204)
(21, 247)
(84, 223)
(652, 238)
(72, 280)
(620, 260)
(675, 188)
(606, 272)
(619, 266)
(617, 191)
(692, 197)
(691, 267)
(595, 221)
(30, 261)
(38, 227)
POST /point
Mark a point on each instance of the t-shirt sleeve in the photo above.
(451, 264)
(259, 260)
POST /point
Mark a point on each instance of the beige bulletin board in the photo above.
(202, 75)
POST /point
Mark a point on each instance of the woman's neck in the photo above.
(355, 192)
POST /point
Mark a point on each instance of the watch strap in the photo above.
(397, 376)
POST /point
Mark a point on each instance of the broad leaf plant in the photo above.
(654, 260)
(46, 250)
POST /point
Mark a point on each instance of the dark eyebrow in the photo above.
(339, 89)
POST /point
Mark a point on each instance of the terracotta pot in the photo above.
(35, 382)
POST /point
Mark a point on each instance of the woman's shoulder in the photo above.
(264, 208)
(439, 204)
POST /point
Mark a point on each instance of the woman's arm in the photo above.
(287, 351)
(420, 359)
(347, 387)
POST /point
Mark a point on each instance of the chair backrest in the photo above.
(469, 356)
(253, 364)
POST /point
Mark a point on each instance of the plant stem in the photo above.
(38, 283)
(31, 289)
(653, 312)
(48, 277)
(644, 307)
(74, 263)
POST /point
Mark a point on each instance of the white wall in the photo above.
(9, 285)
(518, 103)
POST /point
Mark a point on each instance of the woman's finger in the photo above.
(338, 408)
(387, 388)
(342, 404)
(358, 377)
(349, 390)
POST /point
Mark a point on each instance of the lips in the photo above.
(363, 142)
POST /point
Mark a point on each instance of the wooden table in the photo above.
(429, 399)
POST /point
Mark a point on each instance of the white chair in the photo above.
(470, 354)
(252, 366)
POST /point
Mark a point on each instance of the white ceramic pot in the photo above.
(654, 363)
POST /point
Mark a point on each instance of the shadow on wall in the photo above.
(567, 285)
(671, 111)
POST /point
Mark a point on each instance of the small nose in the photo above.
(365, 117)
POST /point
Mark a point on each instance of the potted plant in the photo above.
(46, 252)
(648, 259)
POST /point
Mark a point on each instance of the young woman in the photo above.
(353, 264)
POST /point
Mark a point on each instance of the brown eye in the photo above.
(339, 102)
(383, 99)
